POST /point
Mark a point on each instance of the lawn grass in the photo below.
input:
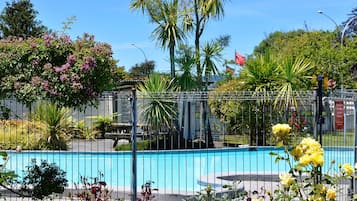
(328, 139)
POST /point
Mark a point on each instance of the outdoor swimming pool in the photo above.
(174, 171)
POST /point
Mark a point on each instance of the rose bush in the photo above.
(55, 68)
(305, 180)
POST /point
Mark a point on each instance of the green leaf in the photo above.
(3, 154)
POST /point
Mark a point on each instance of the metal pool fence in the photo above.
(184, 141)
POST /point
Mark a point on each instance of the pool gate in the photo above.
(176, 144)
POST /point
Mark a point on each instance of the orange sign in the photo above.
(339, 115)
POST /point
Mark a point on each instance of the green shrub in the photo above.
(140, 145)
(43, 180)
(57, 125)
(103, 123)
(20, 133)
(81, 131)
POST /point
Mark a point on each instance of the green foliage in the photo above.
(55, 68)
(142, 71)
(140, 145)
(57, 122)
(166, 15)
(4, 112)
(211, 57)
(43, 180)
(25, 134)
(185, 59)
(322, 49)
(6, 177)
(103, 123)
(159, 111)
(81, 131)
(19, 19)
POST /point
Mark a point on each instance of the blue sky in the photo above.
(247, 21)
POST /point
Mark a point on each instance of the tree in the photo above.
(19, 19)
(159, 110)
(321, 48)
(142, 71)
(292, 77)
(197, 14)
(57, 69)
(166, 15)
(185, 59)
(259, 74)
(210, 59)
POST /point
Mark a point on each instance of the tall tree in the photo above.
(166, 15)
(19, 19)
(197, 14)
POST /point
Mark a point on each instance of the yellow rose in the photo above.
(281, 131)
(305, 160)
(286, 180)
(317, 159)
(316, 198)
(308, 144)
(347, 169)
(331, 194)
(297, 152)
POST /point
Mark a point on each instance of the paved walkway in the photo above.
(97, 145)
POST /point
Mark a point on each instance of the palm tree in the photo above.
(185, 60)
(211, 55)
(292, 77)
(58, 124)
(159, 109)
(167, 17)
(197, 14)
(260, 73)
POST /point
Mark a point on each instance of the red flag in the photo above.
(229, 69)
(240, 59)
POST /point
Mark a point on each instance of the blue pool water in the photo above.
(177, 171)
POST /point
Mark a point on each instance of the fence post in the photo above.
(353, 181)
(320, 119)
(133, 147)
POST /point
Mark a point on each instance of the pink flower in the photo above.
(58, 69)
(45, 85)
(47, 66)
(35, 80)
(65, 66)
(63, 78)
(85, 67)
(71, 59)
(77, 86)
(48, 39)
(66, 39)
(34, 61)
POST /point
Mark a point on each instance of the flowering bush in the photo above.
(305, 179)
(55, 68)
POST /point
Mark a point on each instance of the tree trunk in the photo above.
(172, 60)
